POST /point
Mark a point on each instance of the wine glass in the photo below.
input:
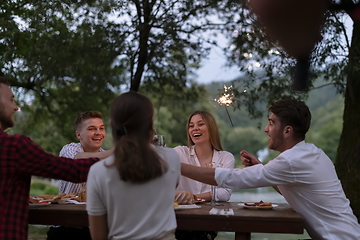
(159, 140)
(213, 188)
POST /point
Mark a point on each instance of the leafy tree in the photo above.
(270, 71)
(62, 60)
(326, 126)
(173, 108)
(69, 56)
(249, 138)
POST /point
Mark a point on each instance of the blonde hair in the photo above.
(212, 127)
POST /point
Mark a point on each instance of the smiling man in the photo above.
(302, 173)
(90, 130)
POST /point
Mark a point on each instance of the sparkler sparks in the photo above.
(226, 99)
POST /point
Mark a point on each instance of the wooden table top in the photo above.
(280, 219)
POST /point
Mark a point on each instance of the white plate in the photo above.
(69, 201)
(257, 207)
(31, 205)
(188, 206)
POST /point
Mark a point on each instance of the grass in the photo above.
(37, 232)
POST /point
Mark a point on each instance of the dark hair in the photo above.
(4, 80)
(211, 125)
(84, 116)
(293, 113)
(131, 117)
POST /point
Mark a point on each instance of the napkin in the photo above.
(69, 201)
(216, 211)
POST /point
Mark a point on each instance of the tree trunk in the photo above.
(348, 154)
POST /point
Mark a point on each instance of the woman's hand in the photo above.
(184, 198)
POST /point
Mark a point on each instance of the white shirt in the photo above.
(188, 155)
(307, 179)
(69, 151)
(134, 211)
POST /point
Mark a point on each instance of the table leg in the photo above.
(242, 236)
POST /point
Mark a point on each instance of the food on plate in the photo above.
(59, 196)
(184, 198)
(71, 195)
(259, 204)
(82, 195)
(176, 205)
(33, 200)
(45, 197)
(56, 197)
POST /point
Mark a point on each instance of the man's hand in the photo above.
(100, 155)
(248, 159)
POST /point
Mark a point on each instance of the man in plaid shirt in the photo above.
(19, 159)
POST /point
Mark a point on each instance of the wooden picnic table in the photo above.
(280, 219)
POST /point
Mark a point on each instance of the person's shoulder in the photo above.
(165, 150)
(168, 153)
(6, 135)
(71, 146)
(103, 164)
(13, 137)
(182, 149)
(225, 154)
(302, 148)
(70, 150)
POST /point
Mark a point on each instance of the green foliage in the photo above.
(37, 188)
(38, 232)
(327, 126)
(64, 57)
(268, 72)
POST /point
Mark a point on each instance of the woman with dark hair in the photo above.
(130, 195)
(203, 148)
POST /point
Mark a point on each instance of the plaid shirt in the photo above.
(19, 159)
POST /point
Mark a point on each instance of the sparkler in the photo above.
(226, 99)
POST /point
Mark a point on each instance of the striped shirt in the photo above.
(69, 151)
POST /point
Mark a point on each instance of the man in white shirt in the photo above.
(90, 130)
(302, 173)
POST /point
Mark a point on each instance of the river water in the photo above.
(266, 194)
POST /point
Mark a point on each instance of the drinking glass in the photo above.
(159, 140)
(213, 188)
